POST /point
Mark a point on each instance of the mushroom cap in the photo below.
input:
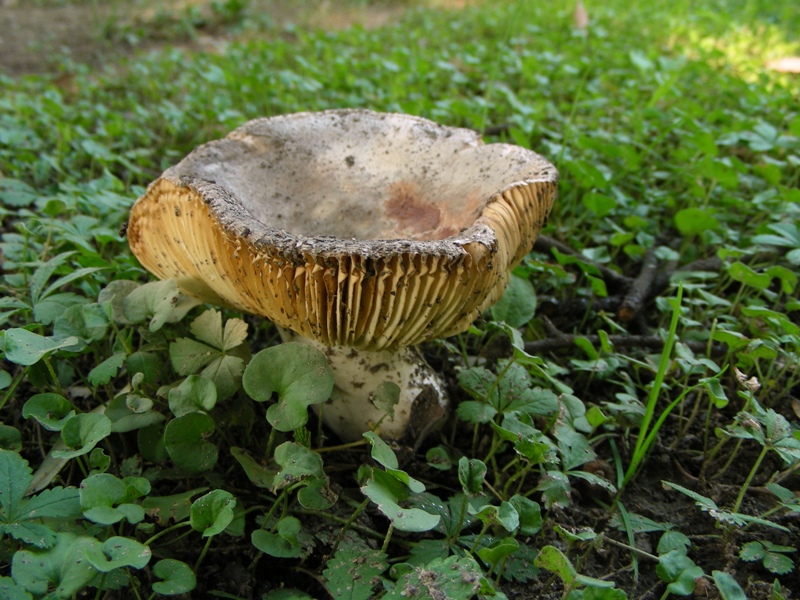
(350, 227)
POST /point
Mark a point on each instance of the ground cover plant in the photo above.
(627, 417)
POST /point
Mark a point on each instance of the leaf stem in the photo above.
(749, 479)
(348, 523)
(12, 388)
(278, 501)
(340, 447)
(166, 531)
(730, 460)
(202, 554)
(270, 442)
(52, 372)
(326, 515)
(388, 538)
(479, 537)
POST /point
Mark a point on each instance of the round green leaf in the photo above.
(63, 567)
(504, 515)
(498, 550)
(451, 577)
(118, 552)
(99, 461)
(673, 540)
(507, 516)
(212, 513)
(10, 438)
(124, 418)
(297, 373)
(258, 474)
(186, 444)
(518, 303)
(194, 394)
(5, 379)
(81, 434)
(106, 500)
(679, 571)
(113, 297)
(600, 205)
(381, 452)
(284, 543)
(149, 364)
(530, 514)
(176, 577)
(33, 571)
(386, 397)
(471, 472)
(297, 462)
(26, 348)
(386, 491)
(85, 321)
(439, 458)
(553, 559)
(316, 495)
(159, 300)
(744, 274)
(694, 221)
(151, 443)
(11, 591)
(50, 410)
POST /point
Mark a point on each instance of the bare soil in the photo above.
(45, 36)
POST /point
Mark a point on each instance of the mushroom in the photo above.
(361, 233)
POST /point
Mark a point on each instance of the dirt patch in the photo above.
(46, 37)
(31, 38)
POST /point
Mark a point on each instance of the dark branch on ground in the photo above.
(640, 288)
(649, 342)
(558, 340)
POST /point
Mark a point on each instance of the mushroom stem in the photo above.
(358, 375)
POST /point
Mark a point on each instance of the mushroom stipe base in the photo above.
(421, 408)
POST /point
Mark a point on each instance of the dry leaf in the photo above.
(580, 17)
(752, 384)
(789, 64)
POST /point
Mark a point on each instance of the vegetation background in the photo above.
(628, 415)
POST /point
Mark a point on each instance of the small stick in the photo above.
(497, 129)
(638, 551)
(640, 289)
(650, 342)
(711, 263)
(578, 306)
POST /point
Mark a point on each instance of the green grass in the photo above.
(672, 140)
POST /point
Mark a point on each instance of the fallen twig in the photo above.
(640, 289)
(559, 340)
(578, 306)
(650, 342)
(497, 129)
